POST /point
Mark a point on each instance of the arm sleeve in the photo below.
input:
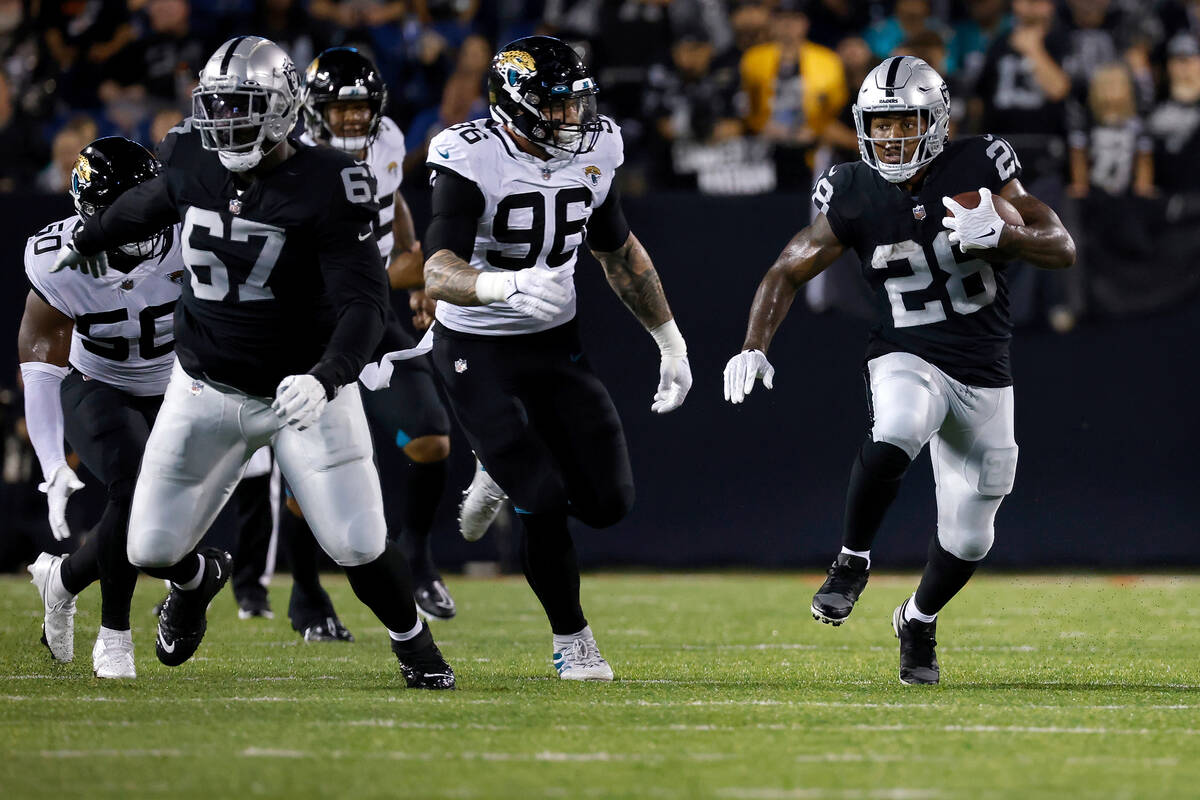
(608, 229)
(44, 414)
(457, 206)
(356, 282)
(137, 215)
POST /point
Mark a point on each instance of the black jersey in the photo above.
(284, 273)
(931, 300)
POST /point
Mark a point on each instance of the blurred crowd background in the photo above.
(728, 109)
(725, 97)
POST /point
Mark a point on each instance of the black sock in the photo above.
(309, 603)
(181, 572)
(422, 494)
(117, 576)
(82, 568)
(385, 586)
(548, 558)
(944, 576)
(875, 479)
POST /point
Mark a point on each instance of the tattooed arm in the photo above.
(633, 277)
(457, 205)
(449, 278)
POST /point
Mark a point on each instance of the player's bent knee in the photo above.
(967, 545)
(154, 548)
(607, 510)
(360, 541)
(904, 431)
(428, 449)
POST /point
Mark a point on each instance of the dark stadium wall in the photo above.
(1106, 418)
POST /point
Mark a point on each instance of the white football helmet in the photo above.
(903, 84)
(247, 101)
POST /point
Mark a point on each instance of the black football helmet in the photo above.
(341, 74)
(106, 169)
(540, 86)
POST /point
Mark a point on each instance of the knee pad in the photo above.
(359, 541)
(154, 548)
(968, 546)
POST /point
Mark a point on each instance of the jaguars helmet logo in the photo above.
(592, 172)
(176, 276)
(515, 66)
(81, 174)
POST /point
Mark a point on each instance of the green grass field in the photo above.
(1063, 687)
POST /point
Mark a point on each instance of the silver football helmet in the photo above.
(903, 84)
(247, 101)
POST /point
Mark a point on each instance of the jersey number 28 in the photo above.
(967, 293)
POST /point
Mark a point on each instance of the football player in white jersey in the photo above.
(513, 199)
(100, 350)
(343, 99)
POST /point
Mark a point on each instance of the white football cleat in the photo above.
(481, 502)
(112, 655)
(581, 660)
(58, 618)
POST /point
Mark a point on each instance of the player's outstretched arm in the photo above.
(43, 346)
(808, 253)
(632, 276)
(1043, 240)
(135, 216)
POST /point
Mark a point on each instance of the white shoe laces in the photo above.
(583, 653)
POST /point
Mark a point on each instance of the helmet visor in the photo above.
(574, 121)
(230, 121)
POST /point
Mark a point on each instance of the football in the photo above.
(1005, 209)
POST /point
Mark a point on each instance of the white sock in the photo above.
(109, 633)
(860, 553)
(561, 642)
(911, 611)
(194, 583)
(404, 637)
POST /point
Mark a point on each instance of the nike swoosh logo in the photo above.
(217, 564)
(170, 648)
(364, 236)
(991, 232)
(442, 153)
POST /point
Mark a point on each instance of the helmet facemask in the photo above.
(238, 122)
(915, 151)
(319, 127)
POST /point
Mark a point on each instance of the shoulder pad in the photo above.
(1001, 162)
(449, 150)
(41, 250)
(610, 147)
(177, 140)
(832, 185)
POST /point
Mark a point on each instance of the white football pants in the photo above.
(200, 445)
(973, 450)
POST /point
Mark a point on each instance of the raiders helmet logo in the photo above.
(592, 172)
(515, 65)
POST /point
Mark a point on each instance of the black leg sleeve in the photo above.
(309, 603)
(944, 576)
(422, 493)
(385, 586)
(875, 480)
(552, 569)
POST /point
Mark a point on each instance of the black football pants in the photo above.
(108, 429)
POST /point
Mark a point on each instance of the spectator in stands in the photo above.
(353, 19)
(20, 142)
(423, 73)
(1175, 126)
(794, 88)
(910, 19)
(632, 37)
(462, 100)
(750, 23)
(986, 21)
(79, 37)
(1112, 152)
(163, 121)
(689, 104)
(840, 135)
(831, 21)
(286, 23)
(160, 66)
(474, 57)
(55, 177)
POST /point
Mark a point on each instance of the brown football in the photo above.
(1005, 209)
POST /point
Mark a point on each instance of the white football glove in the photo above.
(62, 484)
(300, 400)
(976, 228)
(741, 372)
(674, 382)
(70, 258)
(536, 291)
(674, 373)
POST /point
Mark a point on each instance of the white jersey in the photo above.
(535, 212)
(385, 157)
(124, 322)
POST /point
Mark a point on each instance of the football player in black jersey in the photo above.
(937, 364)
(283, 306)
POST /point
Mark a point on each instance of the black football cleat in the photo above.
(433, 601)
(329, 629)
(834, 601)
(422, 663)
(182, 621)
(918, 659)
(255, 608)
